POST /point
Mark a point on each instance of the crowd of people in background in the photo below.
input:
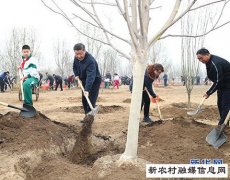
(55, 81)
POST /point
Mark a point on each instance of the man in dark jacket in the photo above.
(3, 80)
(85, 68)
(218, 71)
(58, 81)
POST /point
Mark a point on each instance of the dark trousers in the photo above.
(146, 103)
(51, 85)
(57, 84)
(93, 94)
(223, 102)
(165, 82)
(2, 85)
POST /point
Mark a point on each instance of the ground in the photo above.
(55, 145)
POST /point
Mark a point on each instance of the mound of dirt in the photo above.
(88, 147)
(102, 109)
(178, 141)
(79, 99)
(39, 132)
(180, 110)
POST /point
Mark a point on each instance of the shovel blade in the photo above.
(29, 111)
(192, 113)
(216, 138)
(94, 111)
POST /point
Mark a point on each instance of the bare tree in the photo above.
(62, 58)
(109, 62)
(135, 25)
(192, 23)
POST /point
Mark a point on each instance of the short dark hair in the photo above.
(25, 47)
(79, 46)
(202, 51)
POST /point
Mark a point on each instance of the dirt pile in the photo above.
(20, 134)
(180, 110)
(89, 147)
(102, 109)
(178, 141)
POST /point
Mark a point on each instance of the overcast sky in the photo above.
(50, 27)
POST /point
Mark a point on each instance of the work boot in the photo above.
(148, 120)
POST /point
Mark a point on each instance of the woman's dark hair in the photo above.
(152, 68)
(202, 51)
(78, 47)
(26, 47)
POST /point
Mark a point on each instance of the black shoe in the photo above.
(148, 120)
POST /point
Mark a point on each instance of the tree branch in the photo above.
(98, 3)
(207, 5)
(131, 31)
(106, 35)
(170, 21)
(194, 36)
(102, 28)
(215, 27)
(68, 19)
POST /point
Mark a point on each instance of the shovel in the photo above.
(158, 107)
(12, 106)
(93, 111)
(216, 137)
(31, 111)
(193, 113)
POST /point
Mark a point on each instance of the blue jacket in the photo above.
(3, 75)
(218, 71)
(87, 70)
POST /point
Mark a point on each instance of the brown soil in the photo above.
(70, 148)
(21, 134)
(178, 141)
(102, 109)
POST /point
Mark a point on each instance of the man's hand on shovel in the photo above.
(206, 96)
(86, 93)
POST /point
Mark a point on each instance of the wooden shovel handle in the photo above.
(227, 118)
(87, 98)
(4, 104)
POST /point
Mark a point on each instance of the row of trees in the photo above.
(108, 59)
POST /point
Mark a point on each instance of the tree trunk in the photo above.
(134, 115)
(189, 99)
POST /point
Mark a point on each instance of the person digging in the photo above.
(86, 71)
(30, 76)
(218, 71)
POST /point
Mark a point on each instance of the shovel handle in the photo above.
(21, 83)
(201, 103)
(4, 104)
(11, 106)
(87, 98)
(158, 108)
(227, 118)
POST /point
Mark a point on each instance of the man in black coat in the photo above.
(58, 81)
(218, 71)
(85, 68)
